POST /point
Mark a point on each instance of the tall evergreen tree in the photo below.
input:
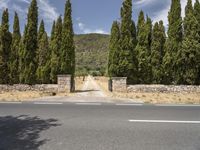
(141, 21)
(173, 42)
(21, 52)
(28, 75)
(68, 47)
(56, 42)
(143, 51)
(52, 33)
(41, 30)
(14, 54)
(189, 55)
(157, 50)
(133, 34)
(114, 50)
(149, 34)
(43, 70)
(127, 60)
(196, 13)
(5, 40)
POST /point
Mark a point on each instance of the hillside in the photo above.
(91, 53)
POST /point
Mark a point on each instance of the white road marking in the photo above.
(43, 103)
(165, 121)
(10, 102)
(97, 104)
(129, 104)
(171, 105)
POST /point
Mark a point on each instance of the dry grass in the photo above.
(21, 96)
(154, 98)
(79, 83)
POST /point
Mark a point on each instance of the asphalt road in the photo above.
(96, 126)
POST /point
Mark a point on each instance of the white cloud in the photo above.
(162, 15)
(47, 11)
(4, 4)
(143, 3)
(86, 30)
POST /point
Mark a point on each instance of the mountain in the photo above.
(91, 53)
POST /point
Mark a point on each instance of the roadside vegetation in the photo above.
(146, 55)
(35, 58)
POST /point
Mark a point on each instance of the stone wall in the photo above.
(24, 87)
(119, 84)
(163, 88)
(63, 85)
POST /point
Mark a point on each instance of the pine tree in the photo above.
(30, 46)
(114, 50)
(14, 54)
(143, 50)
(68, 47)
(157, 50)
(56, 42)
(127, 60)
(5, 40)
(173, 43)
(43, 70)
(189, 55)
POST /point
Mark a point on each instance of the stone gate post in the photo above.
(64, 83)
(119, 84)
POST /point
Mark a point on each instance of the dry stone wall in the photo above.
(64, 85)
(119, 84)
(163, 88)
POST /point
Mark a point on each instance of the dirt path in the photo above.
(91, 89)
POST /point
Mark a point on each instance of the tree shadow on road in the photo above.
(23, 132)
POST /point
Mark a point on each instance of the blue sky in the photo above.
(89, 16)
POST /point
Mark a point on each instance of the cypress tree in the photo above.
(114, 50)
(149, 34)
(196, 13)
(189, 55)
(157, 48)
(173, 43)
(141, 21)
(127, 60)
(41, 30)
(52, 33)
(43, 70)
(133, 34)
(5, 40)
(143, 51)
(30, 46)
(21, 53)
(56, 42)
(68, 47)
(14, 55)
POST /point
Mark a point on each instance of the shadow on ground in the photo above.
(23, 132)
(85, 91)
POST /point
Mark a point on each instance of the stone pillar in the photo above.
(119, 84)
(64, 83)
